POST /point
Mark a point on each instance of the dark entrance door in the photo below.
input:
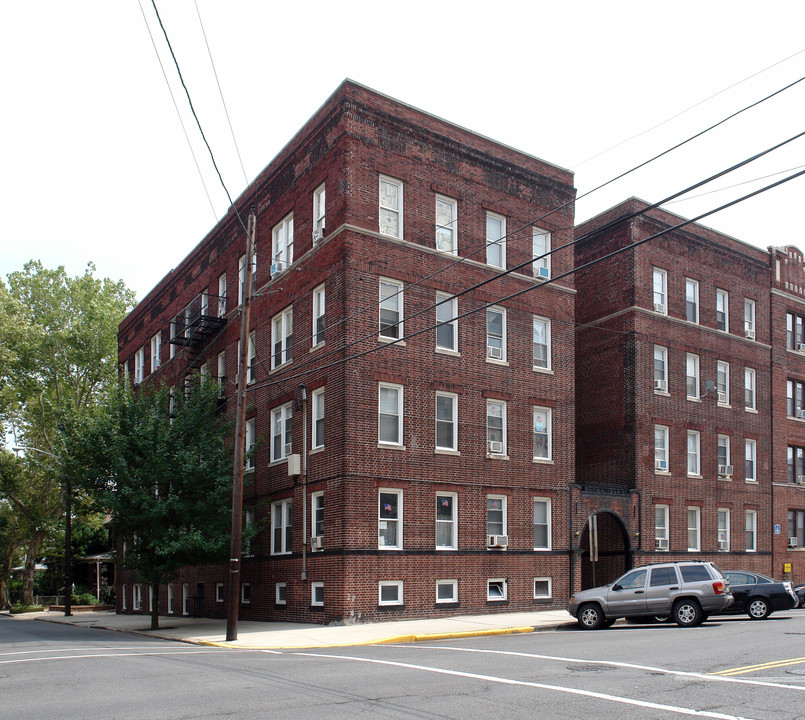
(614, 550)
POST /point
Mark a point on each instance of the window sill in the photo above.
(445, 451)
(751, 410)
(695, 476)
(272, 463)
(446, 351)
(542, 371)
(693, 399)
(497, 601)
(496, 456)
(751, 482)
(316, 347)
(664, 393)
(248, 470)
(277, 368)
(388, 446)
(447, 603)
(316, 450)
(542, 461)
(494, 361)
(542, 549)
(724, 478)
(391, 341)
(664, 473)
(724, 405)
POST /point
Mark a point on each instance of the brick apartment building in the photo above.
(690, 358)
(438, 431)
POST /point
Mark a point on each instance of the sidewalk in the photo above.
(281, 635)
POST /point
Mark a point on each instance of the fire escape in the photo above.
(195, 326)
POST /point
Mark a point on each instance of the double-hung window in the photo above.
(389, 519)
(749, 318)
(446, 323)
(242, 275)
(542, 524)
(660, 448)
(318, 315)
(795, 332)
(495, 240)
(694, 460)
(749, 389)
(317, 411)
(317, 515)
(691, 300)
(795, 398)
(542, 343)
(750, 453)
(694, 529)
(282, 338)
(390, 414)
(446, 225)
(281, 436)
(723, 456)
(281, 513)
(391, 309)
(222, 295)
(750, 530)
(496, 333)
(796, 464)
(282, 245)
(222, 373)
(248, 532)
(319, 206)
(495, 427)
(156, 351)
(796, 527)
(660, 369)
(692, 376)
(248, 448)
(495, 518)
(446, 421)
(139, 366)
(251, 367)
(722, 310)
(391, 207)
(723, 530)
(542, 434)
(541, 246)
(660, 290)
(661, 528)
(723, 382)
(446, 521)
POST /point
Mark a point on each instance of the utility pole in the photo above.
(240, 432)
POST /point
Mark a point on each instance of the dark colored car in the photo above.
(757, 595)
(800, 593)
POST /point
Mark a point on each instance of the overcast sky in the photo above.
(96, 166)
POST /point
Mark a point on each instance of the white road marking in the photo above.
(125, 654)
(95, 648)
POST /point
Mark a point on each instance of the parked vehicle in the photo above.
(757, 595)
(686, 591)
(800, 592)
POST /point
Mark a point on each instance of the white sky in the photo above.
(94, 165)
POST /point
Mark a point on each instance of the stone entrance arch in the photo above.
(614, 550)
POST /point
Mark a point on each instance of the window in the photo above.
(219, 592)
(221, 373)
(172, 336)
(282, 246)
(126, 368)
(317, 411)
(317, 514)
(245, 593)
(446, 323)
(496, 590)
(281, 527)
(541, 246)
(389, 524)
(495, 240)
(694, 466)
(242, 275)
(156, 351)
(281, 437)
(390, 414)
(692, 372)
(694, 531)
(317, 594)
(723, 382)
(318, 315)
(249, 445)
(750, 452)
(185, 599)
(660, 286)
(542, 343)
(446, 521)
(282, 338)
(446, 591)
(222, 295)
(723, 455)
(796, 464)
(391, 309)
(542, 588)
(446, 225)
(722, 310)
(123, 598)
(749, 389)
(795, 398)
(319, 207)
(796, 527)
(542, 434)
(691, 301)
(248, 531)
(660, 448)
(251, 367)
(750, 524)
(496, 515)
(661, 528)
(390, 592)
(495, 334)
(495, 427)
(446, 421)
(749, 318)
(794, 332)
(139, 366)
(170, 599)
(723, 530)
(391, 207)
(542, 524)
(281, 593)
(137, 597)
(660, 369)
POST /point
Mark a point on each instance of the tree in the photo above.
(159, 465)
(10, 538)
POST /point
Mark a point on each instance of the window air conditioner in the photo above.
(722, 398)
(801, 347)
(316, 542)
(725, 470)
(723, 546)
(278, 267)
(287, 449)
(660, 465)
(801, 413)
(494, 352)
(792, 542)
(800, 479)
(660, 543)
(659, 307)
(318, 235)
(661, 385)
(543, 272)
(495, 447)
(750, 333)
(498, 541)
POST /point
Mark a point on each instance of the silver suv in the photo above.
(685, 591)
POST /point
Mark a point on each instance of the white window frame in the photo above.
(245, 593)
(250, 438)
(156, 351)
(723, 442)
(319, 212)
(251, 366)
(692, 289)
(170, 599)
(495, 339)
(447, 225)
(281, 593)
(446, 311)
(693, 514)
(659, 280)
(453, 585)
(139, 366)
(124, 590)
(390, 310)
(317, 514)
(317, 409)
(491, 596)
(548, 594)
(452, 522)
(388, 389)
(219, 592)
(282, 338)
(248, 521)
(398, 584)
(222, 295)
(661, 374)
(451, 422)
(282, 527)
(542, 502)
(723, 305)
(723, 529)
(137, 597)
(493, 244)
(540, 250)
(318, 315)
(661, 528)
(314, 587)
(723, 382)
(490, 524)
(694, 453)
(750, 389)
(661, 436)
(491, 412)
(242, 274)
(281, 431)
(750, 530)
(390, 208)
(282, 245)
(221, 372)
(541, 329)
(540, 416)
(692, 385)
(750, 330)
(171, 344)
(185, 599)
(750, 455)
(396, 520)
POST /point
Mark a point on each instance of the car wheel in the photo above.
(591, 617)
(687, 613)
(758, 609)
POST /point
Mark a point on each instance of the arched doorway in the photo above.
(614, 549)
